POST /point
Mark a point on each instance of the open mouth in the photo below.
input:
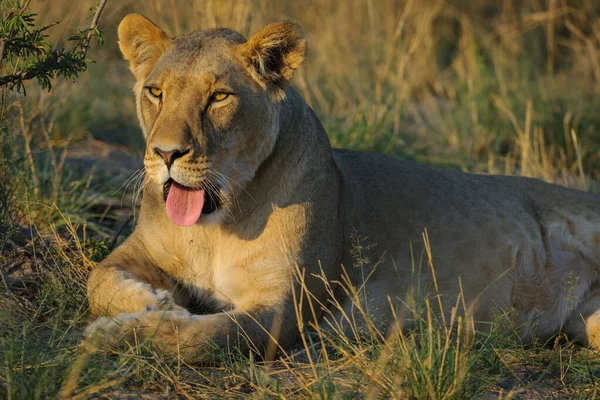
(186, 205)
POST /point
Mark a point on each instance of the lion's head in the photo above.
(208, 104)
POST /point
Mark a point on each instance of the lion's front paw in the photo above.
(166, 302)
(130, 329)
(112, 331)
(127, 295)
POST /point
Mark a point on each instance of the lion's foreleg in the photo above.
(198, 338)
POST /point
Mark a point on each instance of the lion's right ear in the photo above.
(142, 43)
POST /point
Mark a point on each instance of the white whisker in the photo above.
(132, 178)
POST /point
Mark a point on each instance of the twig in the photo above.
(42, 29)
(27, 136)
(93, 26)
(2, 46)
(32, 73)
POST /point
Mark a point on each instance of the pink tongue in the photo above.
(184, 205)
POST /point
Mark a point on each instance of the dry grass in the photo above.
(473, 84)
(487, 86)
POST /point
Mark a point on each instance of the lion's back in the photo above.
(386, 181)
(393, 201)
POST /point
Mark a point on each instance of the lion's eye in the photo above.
(155, 92)
(219, 96)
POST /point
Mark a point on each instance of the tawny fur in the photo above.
(293, 207)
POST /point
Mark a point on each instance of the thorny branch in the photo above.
(53, 63)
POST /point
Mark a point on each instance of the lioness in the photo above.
(246, 208)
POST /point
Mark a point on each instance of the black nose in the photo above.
(170, 156)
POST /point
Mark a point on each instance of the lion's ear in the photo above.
(142, 43)
(274, 53)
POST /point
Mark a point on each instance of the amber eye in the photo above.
(155, 92)
(219, 96)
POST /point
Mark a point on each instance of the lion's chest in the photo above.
(230, 281)
(234, 270)
(230, 273)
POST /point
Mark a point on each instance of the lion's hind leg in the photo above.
(584, 324)
(569, 297)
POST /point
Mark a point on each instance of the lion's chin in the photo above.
(185, 205)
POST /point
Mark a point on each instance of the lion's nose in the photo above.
(171, 155)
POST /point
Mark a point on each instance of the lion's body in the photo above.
(517, 244)
(294, 212)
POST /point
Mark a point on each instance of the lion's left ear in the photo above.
(274, 53)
